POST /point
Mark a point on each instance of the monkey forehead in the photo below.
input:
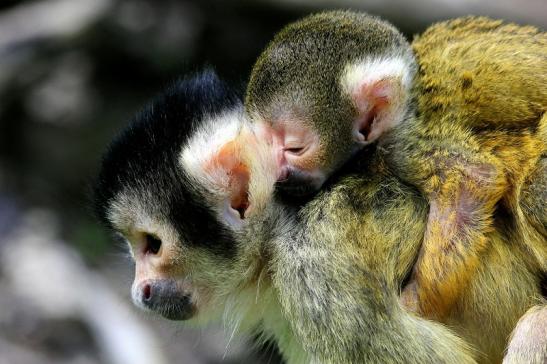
(131, 210)
(307, 59)
(293, 103)
(147, 149)
(329, 37)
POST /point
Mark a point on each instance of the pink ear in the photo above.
(228, 158)
(378, 105)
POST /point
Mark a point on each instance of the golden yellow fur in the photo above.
(481, 95)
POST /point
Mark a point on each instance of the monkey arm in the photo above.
(460, 214)
(463, 192)
(337, 278)
(341, 323)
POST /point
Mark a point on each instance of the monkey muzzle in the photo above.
(165, 297)
(299, 184)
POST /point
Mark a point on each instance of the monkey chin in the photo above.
(179, 309)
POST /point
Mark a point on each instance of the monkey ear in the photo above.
(378, 105)
(235, 177)
(379, 91)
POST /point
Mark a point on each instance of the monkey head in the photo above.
(325, 87)
(188, 186)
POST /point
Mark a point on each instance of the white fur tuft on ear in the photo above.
(236, 167)
(263, 167)
(206, 142)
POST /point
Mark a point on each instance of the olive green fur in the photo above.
(338, 278)
(339, 286)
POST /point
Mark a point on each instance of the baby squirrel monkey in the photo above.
(456, 116)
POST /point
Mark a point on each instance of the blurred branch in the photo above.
(56, 285)
(27, 23)
(50, 18)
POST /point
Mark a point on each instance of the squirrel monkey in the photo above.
(456, 115)
(190, 186)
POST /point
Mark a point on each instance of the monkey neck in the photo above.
(262, 229)
(255, 307)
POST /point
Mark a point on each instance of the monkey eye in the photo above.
(152, 244)
(295, 150)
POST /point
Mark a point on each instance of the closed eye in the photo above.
(295, 150)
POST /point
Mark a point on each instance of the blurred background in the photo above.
(72, 73)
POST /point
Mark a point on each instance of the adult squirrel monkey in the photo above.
(456, 114)
(189, 185)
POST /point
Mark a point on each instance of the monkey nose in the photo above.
(164, 297)
(283, 173)
(146, 292)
